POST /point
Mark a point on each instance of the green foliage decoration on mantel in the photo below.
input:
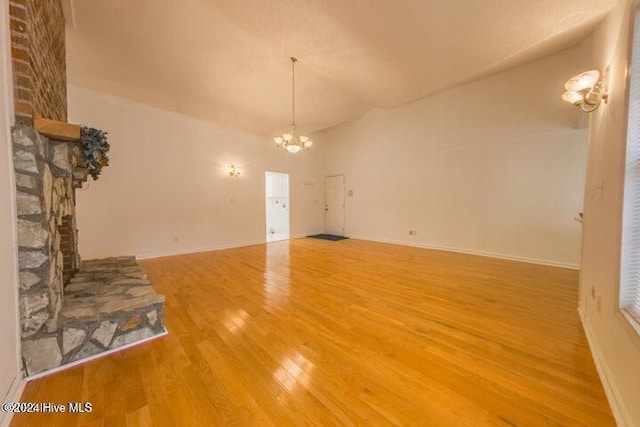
(95, 148)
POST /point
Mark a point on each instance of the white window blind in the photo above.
(630, 274)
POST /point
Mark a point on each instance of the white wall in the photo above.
(615, 345)
(495, 167)
(168, 177)
(10, 375)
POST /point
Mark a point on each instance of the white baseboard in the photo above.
(95, 356)
(213, 248)
(620, 413)
(471, 252)
(13, 395)
(197, 250)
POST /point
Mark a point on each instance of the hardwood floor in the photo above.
(349, 333)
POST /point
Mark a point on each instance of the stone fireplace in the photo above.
(69, 310)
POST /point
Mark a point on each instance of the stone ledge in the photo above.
(103, 288)
(107, 304)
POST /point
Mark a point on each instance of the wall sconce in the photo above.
(587, 90)
(234, 172)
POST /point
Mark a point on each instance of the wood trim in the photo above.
(57, 130)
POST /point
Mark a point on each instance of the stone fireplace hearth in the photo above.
(69, 310)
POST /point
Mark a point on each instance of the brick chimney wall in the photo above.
(38, 56)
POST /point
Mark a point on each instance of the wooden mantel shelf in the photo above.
(57, 130)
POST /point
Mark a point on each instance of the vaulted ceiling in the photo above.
(228, 60)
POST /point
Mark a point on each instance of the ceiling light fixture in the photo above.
(586, 90)
(291, 142)
(234, 171)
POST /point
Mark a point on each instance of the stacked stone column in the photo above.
(45, 195)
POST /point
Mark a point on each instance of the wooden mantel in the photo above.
(54, 129)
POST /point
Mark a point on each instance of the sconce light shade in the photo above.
(572, 97)
(234, 172)
(586, 91)
(582, 81)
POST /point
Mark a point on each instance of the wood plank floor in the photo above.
(349, 333)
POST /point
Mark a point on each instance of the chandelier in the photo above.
(290, 141)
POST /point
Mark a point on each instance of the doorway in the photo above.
(334, 205)
(277, 205)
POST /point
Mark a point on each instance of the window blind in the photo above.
(630, 274)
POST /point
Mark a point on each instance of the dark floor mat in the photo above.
(328, 237)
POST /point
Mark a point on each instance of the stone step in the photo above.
(107, 304)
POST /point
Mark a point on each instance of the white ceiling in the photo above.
(228, 60)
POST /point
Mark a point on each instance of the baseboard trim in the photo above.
(471, 252)
(212, 248)
(197, 250)
(95, 356)
(13, 395)
(373, 239)
(618, 408)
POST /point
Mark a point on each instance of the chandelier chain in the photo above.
(293, 91)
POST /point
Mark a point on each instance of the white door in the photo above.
(276, 187)
(334, 205)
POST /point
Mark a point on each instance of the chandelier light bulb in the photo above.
(287, 137)
(278, 140)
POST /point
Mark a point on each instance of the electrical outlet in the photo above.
(176, 239)
(412, 232)
(600, 190)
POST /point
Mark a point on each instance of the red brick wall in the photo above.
(68, 248)
(38, 53)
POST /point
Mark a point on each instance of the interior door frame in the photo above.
(288, 175)
(344, 202)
